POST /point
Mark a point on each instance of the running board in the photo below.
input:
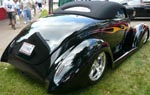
(124, 56)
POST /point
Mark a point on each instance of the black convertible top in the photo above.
(93, 9)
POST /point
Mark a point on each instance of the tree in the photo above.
(50, 6)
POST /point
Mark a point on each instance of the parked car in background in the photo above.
(141, 8)
(119, 1)
(138, 9)
(73, 47)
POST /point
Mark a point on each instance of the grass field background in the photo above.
(132, 77)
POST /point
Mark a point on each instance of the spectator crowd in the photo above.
(26, 9)
(17, 9)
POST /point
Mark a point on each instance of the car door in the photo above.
(114, 33)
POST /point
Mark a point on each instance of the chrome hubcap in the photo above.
(98, 67)
(145, 37)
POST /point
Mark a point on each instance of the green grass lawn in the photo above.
(132, 77)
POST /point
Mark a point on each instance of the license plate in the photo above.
(27, 48)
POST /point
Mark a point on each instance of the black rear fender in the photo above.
(74, 60)
(83, 51)
(87, 48)
(4, 57)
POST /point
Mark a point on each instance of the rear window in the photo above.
(79, 9)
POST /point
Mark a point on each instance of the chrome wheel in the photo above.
(145, 36)
(98, 67)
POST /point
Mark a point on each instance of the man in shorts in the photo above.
(10, 7)
(39, 3)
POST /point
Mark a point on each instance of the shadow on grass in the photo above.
(17, 76)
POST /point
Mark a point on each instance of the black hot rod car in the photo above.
(73, 47)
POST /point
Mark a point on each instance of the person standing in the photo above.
(9, 5)
(39, 3)
(33, 6)
(18, 5)
(26, 6)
